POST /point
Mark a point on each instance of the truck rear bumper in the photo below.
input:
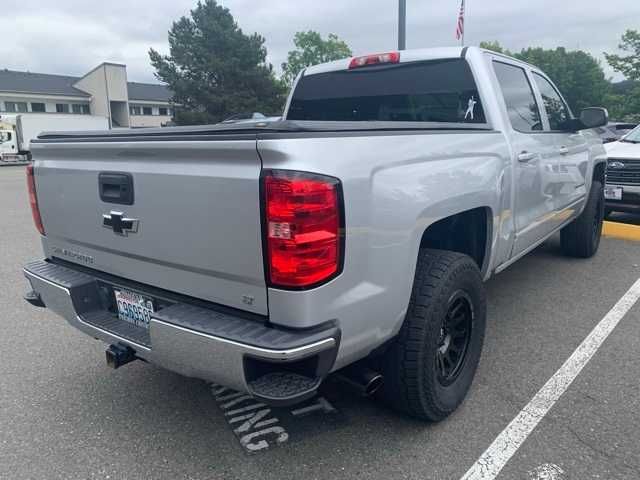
(275, 365)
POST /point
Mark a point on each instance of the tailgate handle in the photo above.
(115, 187)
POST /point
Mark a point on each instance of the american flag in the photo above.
(460, 28)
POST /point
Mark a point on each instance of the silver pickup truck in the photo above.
(352, 236)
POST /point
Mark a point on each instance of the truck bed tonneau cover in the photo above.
(201, 132)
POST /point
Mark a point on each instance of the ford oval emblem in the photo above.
(616, 165)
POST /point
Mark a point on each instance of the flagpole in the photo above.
(464, 20)
(402, 25)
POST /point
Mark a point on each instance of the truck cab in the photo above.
(9, 151)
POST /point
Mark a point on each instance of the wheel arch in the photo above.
(469, 232)
(600, 172)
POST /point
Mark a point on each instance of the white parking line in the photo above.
(511, 438)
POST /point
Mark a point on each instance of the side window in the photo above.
(557, 110)
(518, 95)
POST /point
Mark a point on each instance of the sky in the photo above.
(72, 36)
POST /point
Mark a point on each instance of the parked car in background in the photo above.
(250, 118)
(622, 191)
(614, 131)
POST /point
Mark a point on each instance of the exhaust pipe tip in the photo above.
(374, 384)
(361, 379)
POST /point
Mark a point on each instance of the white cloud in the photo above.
(72, 36)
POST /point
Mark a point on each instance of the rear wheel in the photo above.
(431, 364)
(581, 238)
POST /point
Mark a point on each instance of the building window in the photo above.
(81, 108)
(62, 107)
(37, 107)
(147, 111)
(163, 111)
(16, 107)
(135, 110)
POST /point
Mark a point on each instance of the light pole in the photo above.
(402, 25)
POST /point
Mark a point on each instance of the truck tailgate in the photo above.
(197, 204)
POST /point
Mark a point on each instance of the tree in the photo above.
(494, 46)
(577, 74)
(311, 49)
(214, 69)
(624, 108)
(628, 65)
(624, 101)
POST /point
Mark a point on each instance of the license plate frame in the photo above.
(133, 307)
(613, 193)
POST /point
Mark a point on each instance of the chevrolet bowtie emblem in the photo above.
(120, 225)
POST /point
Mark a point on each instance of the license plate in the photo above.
(134, 308)
(613, 193)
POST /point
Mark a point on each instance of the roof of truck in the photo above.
(415, 55)
(405, 56)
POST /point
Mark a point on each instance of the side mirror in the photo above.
(594, 117)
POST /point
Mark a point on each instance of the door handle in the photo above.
(563, 151)
(115, 187)
(525, 156)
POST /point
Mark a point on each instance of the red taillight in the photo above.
(302, 227)
(33, 199)
(377, 59)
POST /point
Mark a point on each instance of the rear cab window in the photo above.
(440, 91)
(522, 108)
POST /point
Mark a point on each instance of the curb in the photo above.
(621, 231)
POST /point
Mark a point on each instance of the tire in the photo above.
(581, 238)
(414, 378)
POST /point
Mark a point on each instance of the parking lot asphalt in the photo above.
(65, 415)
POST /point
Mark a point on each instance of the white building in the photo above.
(104, 91)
